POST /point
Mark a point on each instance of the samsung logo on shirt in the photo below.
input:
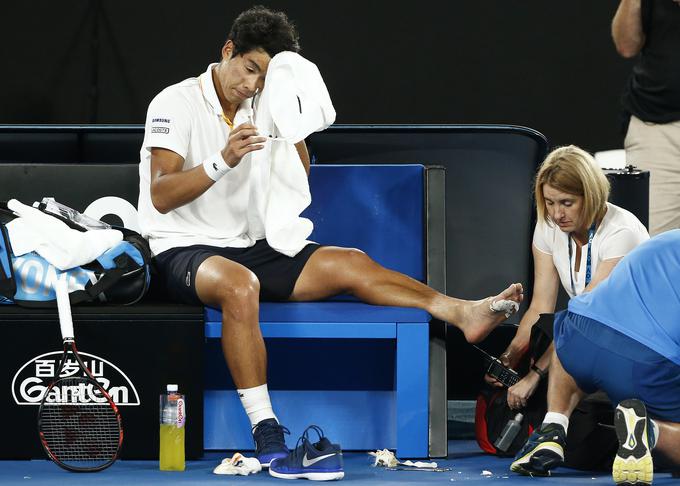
(161, 120)
(160, 130)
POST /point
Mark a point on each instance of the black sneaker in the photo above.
(633, 463)
(318, 461)
(543, 451)
(269, 441)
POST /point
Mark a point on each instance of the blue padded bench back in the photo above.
(376, 208)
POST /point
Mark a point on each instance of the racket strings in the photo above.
(76, 429)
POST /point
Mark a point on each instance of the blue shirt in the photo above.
(641, 297)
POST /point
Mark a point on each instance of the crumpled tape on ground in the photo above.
(239, 465)
(507, 306)
(386, 458)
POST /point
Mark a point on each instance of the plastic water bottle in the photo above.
(52, 206)
(505, 440)
(172, 419)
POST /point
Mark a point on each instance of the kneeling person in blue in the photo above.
(623, 338)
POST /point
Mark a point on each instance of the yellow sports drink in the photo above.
(172, 422)
(172, 448)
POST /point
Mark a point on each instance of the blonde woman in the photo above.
(579, 238)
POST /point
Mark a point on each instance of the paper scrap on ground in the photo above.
(386, 458)
(238, 464)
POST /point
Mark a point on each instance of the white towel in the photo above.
(294, 103)
(53, 240)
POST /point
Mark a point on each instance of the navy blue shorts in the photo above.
(276, 272)
(601, 358)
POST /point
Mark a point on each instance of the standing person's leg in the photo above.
(656, 148)
(333, 270)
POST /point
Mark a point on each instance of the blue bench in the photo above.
(381, 210)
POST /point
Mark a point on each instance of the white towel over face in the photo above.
(294, 103)
(53, 240)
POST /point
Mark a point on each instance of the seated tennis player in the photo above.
(194, 197)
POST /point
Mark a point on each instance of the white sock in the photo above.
(655, 429)
(557, 418)
(256, 403)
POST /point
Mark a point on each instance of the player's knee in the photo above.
(354, 257)
(240, 290)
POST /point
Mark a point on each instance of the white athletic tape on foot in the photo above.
(507, 306)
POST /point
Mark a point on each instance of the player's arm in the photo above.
(627, 31)
(301, 148)
(172, 187)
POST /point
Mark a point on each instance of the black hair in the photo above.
(259, 27)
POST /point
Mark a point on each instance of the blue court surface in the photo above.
(466, 462)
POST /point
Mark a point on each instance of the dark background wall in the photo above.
(541, 63)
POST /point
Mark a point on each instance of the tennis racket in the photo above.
(79, 425)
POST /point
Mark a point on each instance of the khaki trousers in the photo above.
(656, 148)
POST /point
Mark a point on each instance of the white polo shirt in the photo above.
(619, 232)
(187, 119)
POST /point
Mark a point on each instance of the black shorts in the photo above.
(276, 272)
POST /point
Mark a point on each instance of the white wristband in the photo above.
(215, 166)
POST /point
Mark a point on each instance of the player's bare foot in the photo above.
(482, 316)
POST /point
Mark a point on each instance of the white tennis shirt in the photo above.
(187, 119)
(618, 233)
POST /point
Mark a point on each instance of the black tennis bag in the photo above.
(121, 275)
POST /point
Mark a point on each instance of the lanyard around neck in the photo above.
(591, 234)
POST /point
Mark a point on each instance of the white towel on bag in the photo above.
(53, 240)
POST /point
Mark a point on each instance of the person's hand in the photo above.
(492, 381)
(506, 360)
(519, 393)
(510, 358)
(242, 140)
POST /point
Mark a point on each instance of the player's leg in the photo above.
(233, 288)
(236, 290)
(333, 270)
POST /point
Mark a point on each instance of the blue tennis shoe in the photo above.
(318, 461)
(543, 451)
(270, 442)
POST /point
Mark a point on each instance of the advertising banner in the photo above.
(132, 351)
